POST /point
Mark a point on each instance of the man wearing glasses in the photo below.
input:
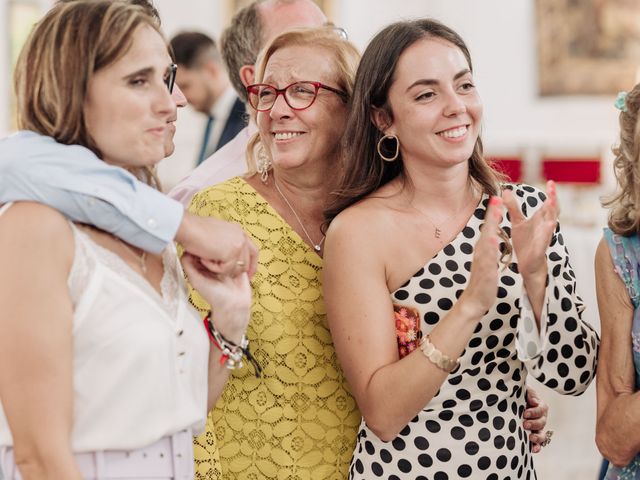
(74, 181)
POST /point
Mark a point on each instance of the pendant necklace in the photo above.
(316, 246)
(142, 258)
(437, 232)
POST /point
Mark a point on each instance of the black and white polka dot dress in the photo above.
(472, 428)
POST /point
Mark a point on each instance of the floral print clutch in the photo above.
(408, 331)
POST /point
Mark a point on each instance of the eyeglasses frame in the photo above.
(170, 81)
(281, 91)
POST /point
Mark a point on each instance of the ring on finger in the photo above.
(547, 438)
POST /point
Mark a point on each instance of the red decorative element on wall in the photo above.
(582, 170)
(510, 166)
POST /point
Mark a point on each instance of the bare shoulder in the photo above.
(362, 219)
(32, 215)
(363, 233)
(603, 257)
(604, 267)
(611, 291)
(30, 227)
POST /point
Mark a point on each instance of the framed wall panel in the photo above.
(587, 47)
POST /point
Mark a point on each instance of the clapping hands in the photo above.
(530, 237)
(481, 292)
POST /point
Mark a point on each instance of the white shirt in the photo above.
(140, 360)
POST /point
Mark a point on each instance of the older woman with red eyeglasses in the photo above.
(299, 416)
(298, 419)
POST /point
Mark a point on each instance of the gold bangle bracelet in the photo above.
(435, 356)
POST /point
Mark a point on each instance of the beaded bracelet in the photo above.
(232, 353)
(435, 356)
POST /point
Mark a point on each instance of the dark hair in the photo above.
(624, 217)
(191, 49)
(363, 170)
(240, 44)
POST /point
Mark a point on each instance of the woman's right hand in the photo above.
(229, 296)
(482, 290)
(231, 253)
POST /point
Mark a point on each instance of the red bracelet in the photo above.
(231, 353)
(223, 357)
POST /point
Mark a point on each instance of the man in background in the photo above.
(203, 79)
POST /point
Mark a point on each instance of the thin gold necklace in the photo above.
(437, 231)
(316, 246)
(142, 258)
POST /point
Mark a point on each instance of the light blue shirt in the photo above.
(74, 181)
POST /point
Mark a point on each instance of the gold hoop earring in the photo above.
(397, 152)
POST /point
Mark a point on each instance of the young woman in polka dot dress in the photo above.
(440, 304)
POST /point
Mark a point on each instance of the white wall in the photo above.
(203, 15)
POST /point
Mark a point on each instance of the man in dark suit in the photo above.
(203, 79)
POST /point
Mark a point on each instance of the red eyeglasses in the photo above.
(298, 95)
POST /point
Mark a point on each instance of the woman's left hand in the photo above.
(531, 236)
(535, 419)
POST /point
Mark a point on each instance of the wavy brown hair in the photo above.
(363, 170)
(65, 49)
(624, 217)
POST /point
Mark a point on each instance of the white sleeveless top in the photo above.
(140, 359)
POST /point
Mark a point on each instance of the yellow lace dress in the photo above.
(299, 420)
